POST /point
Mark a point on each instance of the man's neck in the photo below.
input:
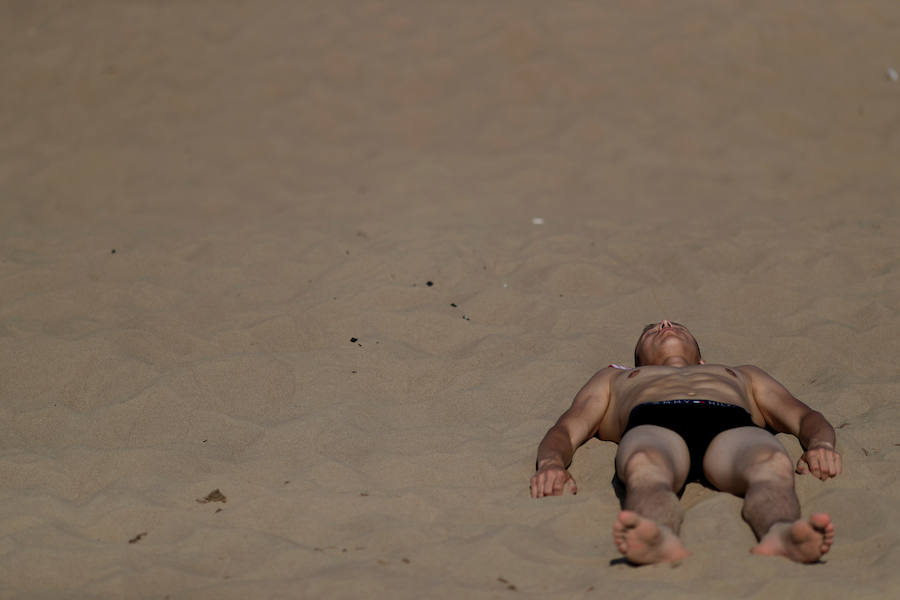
(675, 361)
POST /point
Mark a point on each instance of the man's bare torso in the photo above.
(631, 387)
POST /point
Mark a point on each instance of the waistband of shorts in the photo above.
(689, 401)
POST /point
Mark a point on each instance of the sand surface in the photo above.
(201, 203)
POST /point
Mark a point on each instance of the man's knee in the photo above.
(648, 466)
(768, 463)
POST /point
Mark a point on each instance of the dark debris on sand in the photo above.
(213, 496)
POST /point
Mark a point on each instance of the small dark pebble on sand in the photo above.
(353, 340)
(453, 304)
(137, 538)
(113, 251)
(429, 283)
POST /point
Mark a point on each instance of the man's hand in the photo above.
(820, 459)
(551, 480)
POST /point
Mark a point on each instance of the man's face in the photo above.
(659, 340)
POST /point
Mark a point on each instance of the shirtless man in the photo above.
(677, 419)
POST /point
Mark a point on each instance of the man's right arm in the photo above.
(786, 414)
(571, 430)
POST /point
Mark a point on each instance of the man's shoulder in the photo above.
(600, 382)
(607, 373)
(750, 370)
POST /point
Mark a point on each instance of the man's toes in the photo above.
(821, 521)
(629, 519)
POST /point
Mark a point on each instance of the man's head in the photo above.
(665, 341)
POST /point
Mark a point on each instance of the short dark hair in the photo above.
(637, 346)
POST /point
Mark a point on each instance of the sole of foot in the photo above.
(643, 541)
(800, 541)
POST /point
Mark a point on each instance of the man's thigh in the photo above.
(654, 450)
(732, 452)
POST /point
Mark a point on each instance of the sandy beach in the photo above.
(290, 291)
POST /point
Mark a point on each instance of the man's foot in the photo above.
(643, 541)
(801, 541)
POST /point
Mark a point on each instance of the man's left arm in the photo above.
(786, 414)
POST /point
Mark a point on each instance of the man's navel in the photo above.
(633, 373)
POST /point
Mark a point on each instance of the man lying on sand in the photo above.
(677, 419)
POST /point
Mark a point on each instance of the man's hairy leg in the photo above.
(750, 462)
(652, 463)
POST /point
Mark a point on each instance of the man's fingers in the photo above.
(546, 486)
(549, 484)
(539, 485)
(550, 488)
(815, 464)
(821, 463)
(827, 466)
(559, 482)
(568, 483)
(832, 464)
(553, 482)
